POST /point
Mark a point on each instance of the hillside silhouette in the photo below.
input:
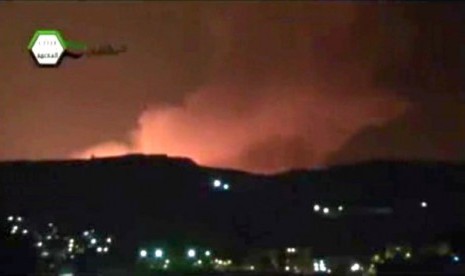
(141, 198)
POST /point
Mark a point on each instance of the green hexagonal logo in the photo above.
(47, 47)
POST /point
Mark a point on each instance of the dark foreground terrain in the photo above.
(147, 198)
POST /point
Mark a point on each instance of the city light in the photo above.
(44, 254)
(93, 241)
(252, 267)
(316, 207)
(340, 208)
(226, 186)
(291, 250)
(49, 237)
(158, 253)
(39, 244)
(25, 231)
(14, 229)
(143, 253)
(99, 249)
(287, 268)
(326, 210)
(216, 183)
(105, 249)
(207, 253)
(19, 219)
(50, 224)
(316, 267)
(108, 240)
(191, 253)
(11, 218)
(355, 267)
(456, 258)
(199, 262)
(424, 204)
(86, 233)
(322, 266)
(167, 261)
(408, 255)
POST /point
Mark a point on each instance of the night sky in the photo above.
(254, 86)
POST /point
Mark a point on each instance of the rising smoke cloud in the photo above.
(287, 87)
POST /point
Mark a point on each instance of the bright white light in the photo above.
(11, 218)
(25, 232)
(71, 241)
(93, 241)
(408, 255)
(99, 249)
(165, 266)
(49, 237)
(19, 219)
(108, 240)
(216, 183)
(424, 204)
(191, 253)
(199, 262)
(44, 254)
(456, 258)
(252, 267)
(158, 253)
(39, 244)
(290, 250)
(316, 267)
(72, 256)
(340, 208)
(355, 267)
(14, 229)
(287, 268)
(86, 233)
(316, 207)
(50, 224)
(322, 267)
(226, 186)
(105, 249)
(167, 261)
(207, 253)
(326, 210)
(143, 253)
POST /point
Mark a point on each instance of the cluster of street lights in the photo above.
(194, 257)
(218, 185)
(320, 266)
(50, 244)
(101, 245)
(326, 210)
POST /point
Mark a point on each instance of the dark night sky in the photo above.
(255, 86)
